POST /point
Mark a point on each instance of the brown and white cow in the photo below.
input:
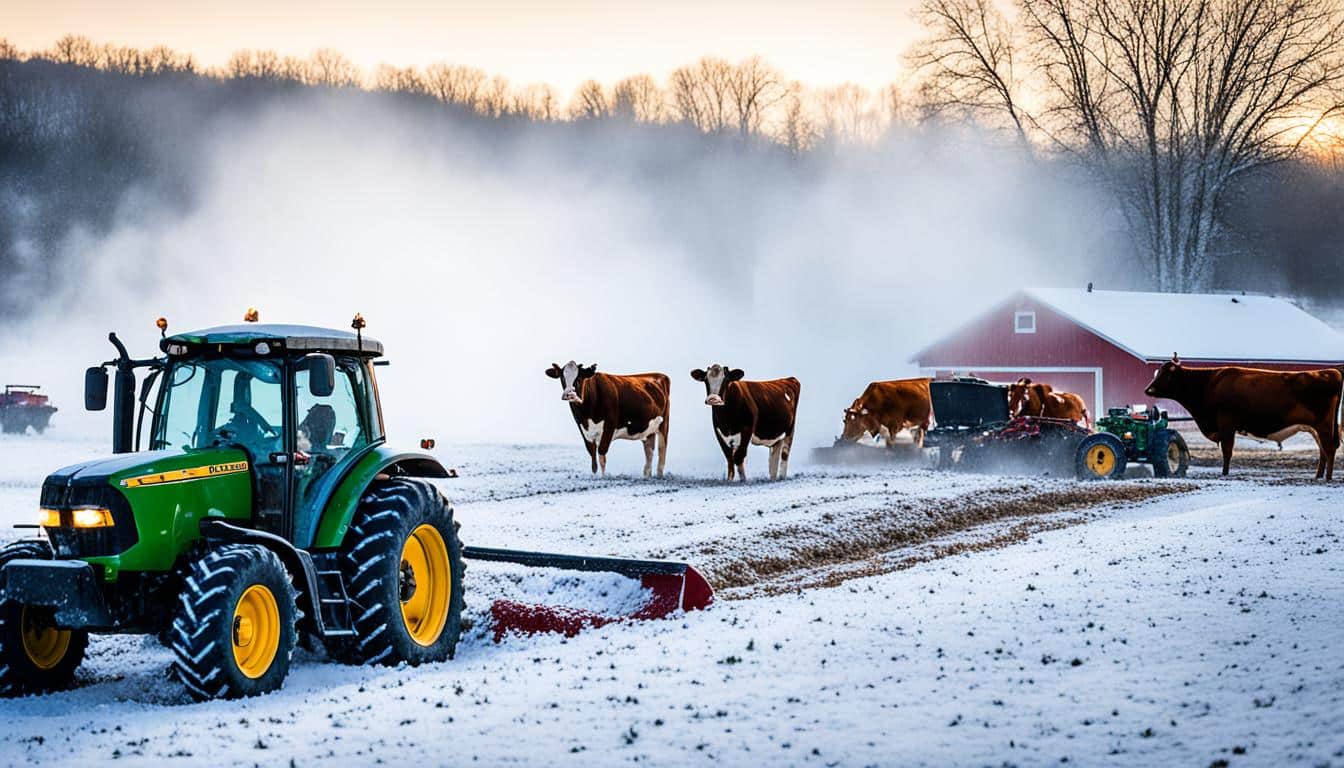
(607, 407)
(887, 407)
(1026, 398)
(1274, 405)
(747, 413)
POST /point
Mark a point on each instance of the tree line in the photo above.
(750, 98)
(1213, 125)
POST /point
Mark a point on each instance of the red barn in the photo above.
(1105, 345)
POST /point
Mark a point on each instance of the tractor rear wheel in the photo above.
(233, 631)
(1100, 456)
(34, 654)
(402, 563)
(1169, 455)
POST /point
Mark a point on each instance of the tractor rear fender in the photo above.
(298, 562)
(338, 506)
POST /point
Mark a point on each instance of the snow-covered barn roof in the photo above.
(1199, 326)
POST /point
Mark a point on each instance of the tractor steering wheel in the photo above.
(249, 416)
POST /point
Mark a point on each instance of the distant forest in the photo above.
(85, 127)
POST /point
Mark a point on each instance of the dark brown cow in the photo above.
(887, 407)
(1026, 398)
(747, 413)
(1274, 405)
(607, 407)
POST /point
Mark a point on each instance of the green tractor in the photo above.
(266, 506)
(1138, 434)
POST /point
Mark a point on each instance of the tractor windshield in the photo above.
(207, 403)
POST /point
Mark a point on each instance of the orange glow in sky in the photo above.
(558, 41)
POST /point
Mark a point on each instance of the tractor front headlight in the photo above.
(50, 518)
(91, 517)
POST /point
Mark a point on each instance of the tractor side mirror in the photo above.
(95, 388)
(321, 374)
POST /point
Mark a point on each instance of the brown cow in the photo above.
(747, 413)
(1270, 404)
(887, 407)
(1029, 399)
(608, 407)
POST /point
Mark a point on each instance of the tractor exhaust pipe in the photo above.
(123, 399)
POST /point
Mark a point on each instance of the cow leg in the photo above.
(608, 432)
(740, 455)
(648, 454)
(787, 445)
(662, 446)
(775, 450)
(592, 453)
(1229, 439)
(915, 432)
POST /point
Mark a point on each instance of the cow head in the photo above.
(859, 422)
(570, 376)
(1019, 397)
(1166, 380)
(717, 379)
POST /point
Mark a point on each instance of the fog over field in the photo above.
(479, 259)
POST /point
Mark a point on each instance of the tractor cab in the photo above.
(299, 402)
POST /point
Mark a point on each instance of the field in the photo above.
(866, 615)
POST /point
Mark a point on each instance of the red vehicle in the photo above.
(21, 407)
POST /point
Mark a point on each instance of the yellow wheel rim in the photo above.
(256, 631)
(44, 644)
(1174, 457)
(1101, 460)
(426, 584)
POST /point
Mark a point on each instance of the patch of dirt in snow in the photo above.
(867, 538)
(1254, 458)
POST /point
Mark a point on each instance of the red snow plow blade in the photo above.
(675, 586)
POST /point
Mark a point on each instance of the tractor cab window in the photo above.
(213, 403)
(330, 430)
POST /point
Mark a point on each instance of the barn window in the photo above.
(1024, 322)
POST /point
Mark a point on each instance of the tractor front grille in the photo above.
(63, 494)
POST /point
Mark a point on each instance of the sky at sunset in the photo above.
(526, 40)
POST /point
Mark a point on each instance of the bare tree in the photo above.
(797, 130)
(534, 102)
(589, 102)
(331, 68)
(638, 98)
(1168, 102)
(494, 101)
(849, 114)
(399, 80)
(453, 84)
(702, 94)
(75, 49)
(8, 51)
(755, 87)
(968, 60)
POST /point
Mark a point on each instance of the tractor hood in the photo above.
(156, 500)
(131, 471)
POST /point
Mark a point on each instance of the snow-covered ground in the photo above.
(890, 616)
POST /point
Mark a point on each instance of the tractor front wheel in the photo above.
(233, 632)
(35, 655)
(1100, 456)
(403, 568)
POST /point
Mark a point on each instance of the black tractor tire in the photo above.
(1100, 456)
(20, 672)
(1168, 454)
(233, 597)
(397, 526)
